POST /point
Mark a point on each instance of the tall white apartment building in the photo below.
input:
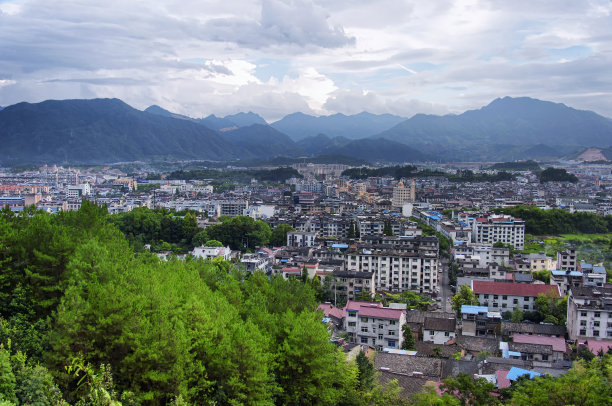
(397, 271)
(499, 228)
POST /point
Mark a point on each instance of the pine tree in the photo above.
(408, 343)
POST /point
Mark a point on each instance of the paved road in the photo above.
(445, 291)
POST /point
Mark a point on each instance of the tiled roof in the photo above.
(513, 289)
(502, 381)
(380, 312)
(438, 324)
(509, 328)
(558, 344)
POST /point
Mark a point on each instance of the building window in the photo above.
(596, 333)
(446, 334)
(364, 319)
(392, 322)
(596, 323)
(583, 322)
(380, 336)
(583, 314)
(380, 326)
(526, 307)
(515, 301)
(431, 333)
(391, 343)
(352, 314)
(351, 324)
(582, 332)
(391, 333)
(364, 340)
(597, 314)
(364, 329)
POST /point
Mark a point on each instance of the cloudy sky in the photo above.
(274, 57)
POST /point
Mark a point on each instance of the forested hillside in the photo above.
(86, 320)
(83, 318)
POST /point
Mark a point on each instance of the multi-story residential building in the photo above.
(478, 321)
(397, 271)
(485, 253)
(567, 260)
(506, 296)
(499, 228)
(348, 285)
(374, 325)
(232, 208)
(300, 239)
(78, 191)
(539, 261)
(589, 313)
(566, 280)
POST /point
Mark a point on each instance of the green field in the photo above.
(594, 248)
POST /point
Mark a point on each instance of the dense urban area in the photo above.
(307, 284)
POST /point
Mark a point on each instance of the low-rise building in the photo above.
(374, 325)
(212, 252)
(478, 321)
(348, 285)
(439, 330)
(506, 296)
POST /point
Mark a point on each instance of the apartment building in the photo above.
(374, 325)
(348, 285)
(589, 313)
(567, 260)
(506, 296)
(397, 271)
(499, 228)
(300, 239)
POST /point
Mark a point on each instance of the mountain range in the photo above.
(109, 130)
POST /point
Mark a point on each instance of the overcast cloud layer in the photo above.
(276, 57)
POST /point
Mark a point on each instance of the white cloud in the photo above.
(403, 57)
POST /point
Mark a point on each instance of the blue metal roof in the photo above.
(339, 245)
(599, 269)
(469, 309)
(515, 373)
(561, 273)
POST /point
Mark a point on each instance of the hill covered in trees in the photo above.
(86, 320)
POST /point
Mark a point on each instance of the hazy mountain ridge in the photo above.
(514, 121)
(300, 125)
(102, 130)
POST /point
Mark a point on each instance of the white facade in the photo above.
(212, 252)
(371, 324)
(396, 271)
(300, 239)
(78, 191)
(499, 228)
(589, 313)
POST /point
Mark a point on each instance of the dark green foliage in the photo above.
(240, 233)
(557, 221)
(156, 227)
(278, 238)
(365, 369)
(408, 343)
(470, 391)
(556, 175)
(517, 166)
(278, 175)
(410, 171)
(387, 229)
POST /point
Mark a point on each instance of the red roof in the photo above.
(594, 346)
(558, 344)
(330, 310)
(368, 309)
(502, 381)
(513, 289)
